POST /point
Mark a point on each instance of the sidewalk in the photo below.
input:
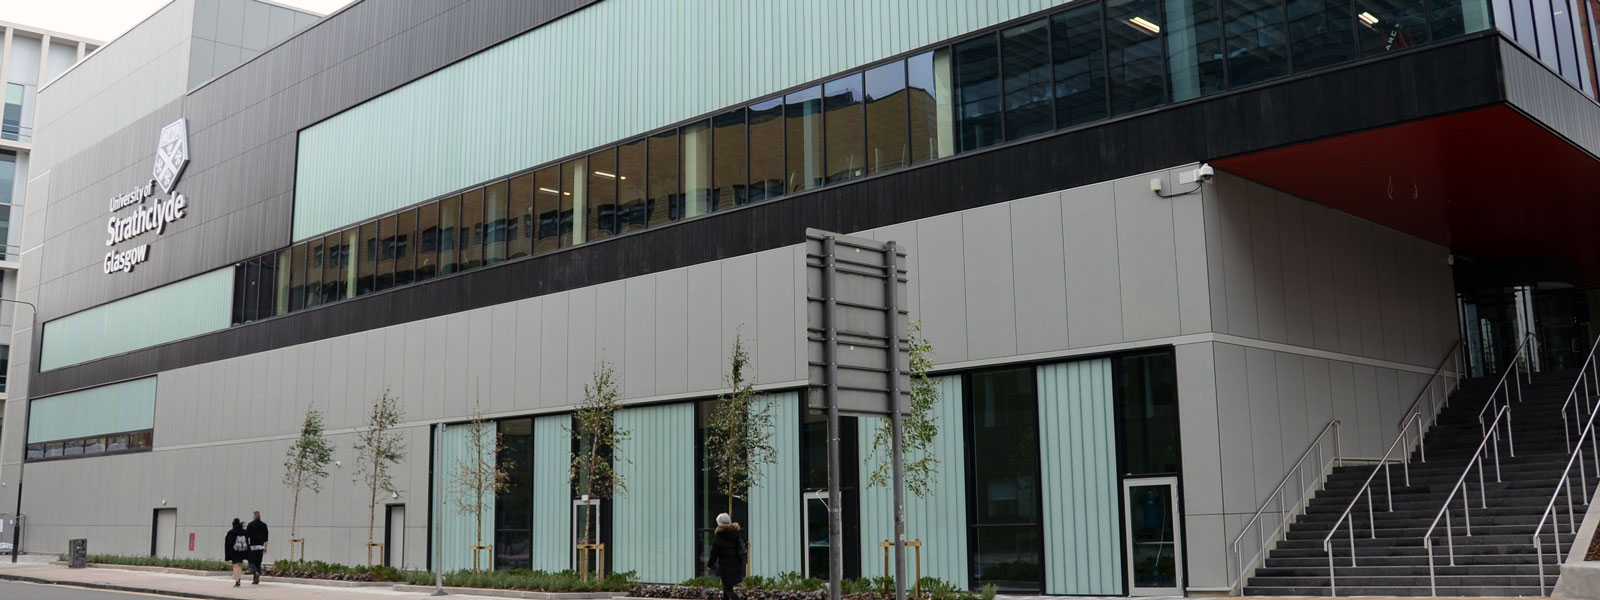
(194, 586)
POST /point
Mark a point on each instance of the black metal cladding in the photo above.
(1449, 77)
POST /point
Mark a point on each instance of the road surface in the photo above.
(11, 590)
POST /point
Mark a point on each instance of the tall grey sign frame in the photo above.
(859, 357)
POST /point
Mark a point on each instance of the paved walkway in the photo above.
(195, 586)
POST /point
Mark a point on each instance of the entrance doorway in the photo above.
(164, 533)
(394, 536)
(1154, 540)
(815, 526)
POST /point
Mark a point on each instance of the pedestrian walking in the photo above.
(727, 555)
(258, 546)
(236, 549)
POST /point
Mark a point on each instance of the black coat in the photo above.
(258, 532)
(228, 552)
(728, 553)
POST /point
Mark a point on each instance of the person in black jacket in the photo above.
(727, 555)
(258, 546)
(236, 549)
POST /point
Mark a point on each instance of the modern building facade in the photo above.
(477, 204)
(29, 58)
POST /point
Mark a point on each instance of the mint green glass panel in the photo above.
(774, 522)
(140, 321)
(126, 406)
(569, 86)
(552, 493)
(654, 521)
(940, 519)
(458, 526)
(1083, 528)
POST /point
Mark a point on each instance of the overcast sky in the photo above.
(104, 20)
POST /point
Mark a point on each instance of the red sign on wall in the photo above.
(191, 541)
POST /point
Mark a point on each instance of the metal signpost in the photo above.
(860, 363)
(438, 515)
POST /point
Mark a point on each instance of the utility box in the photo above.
(78, 553)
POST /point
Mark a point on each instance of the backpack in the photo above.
(241, 543)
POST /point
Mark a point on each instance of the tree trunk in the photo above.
(294, 516)
(372, 506)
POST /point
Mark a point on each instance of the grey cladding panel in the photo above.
(1094, 287)
(991, 287)
(1037, 253)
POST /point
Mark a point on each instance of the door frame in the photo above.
(805, 526)
(155, 529)
(1171, 481)
(388, 532)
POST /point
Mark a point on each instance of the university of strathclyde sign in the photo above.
(152, 214)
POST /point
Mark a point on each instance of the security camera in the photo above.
(1206, 173)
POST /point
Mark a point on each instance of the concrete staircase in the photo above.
(1497, 560)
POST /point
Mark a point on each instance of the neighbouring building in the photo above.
(239, 212)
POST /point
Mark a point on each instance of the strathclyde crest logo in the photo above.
(172, 154)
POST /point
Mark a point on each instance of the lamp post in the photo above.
(16, 525)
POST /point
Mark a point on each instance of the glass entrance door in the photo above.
(1154, 540)
(815, 525)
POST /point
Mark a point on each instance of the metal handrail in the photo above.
(1516, 366)
(1501, 415)
(1322, 470)
(1414, 415)
(1436, 399)
(1588, 376)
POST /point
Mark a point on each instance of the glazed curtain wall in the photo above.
(938, 519)
(458, 524)
(196, 305)
(583, 81)
(115, 408)
(653, 530)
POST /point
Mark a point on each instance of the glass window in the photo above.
(52, 449)
(346, 282)
(1194, 47)
(602, 218)
(5, 365)
(1256, 48)
(72, 448)
(428, 238)
(385, 253)
(696, 169)
(404, 247)
(1133, 54)
(285, 275)
(337, 268)
(266, 285)
(931, 80)
(297, 269)
(1565, 41)
(513, 514)
(315, 258)
(547, 209)
(1320, 33)
(469, 237)
(519, 217)
(1388, 25)
(35, 451)
(574, 190)
(117, 442)
(1003, 455)
(1025, 60)
(978, 93)
(252, 289)
(241, 291)
(803, 124)
(449, 222)
(711, 496)
(494, 222)
(1080, 66)
(366, 256)
(11, 121)
(665, 203)
(631, 203)
(766, 150)
(94, 445)
(845, 129)
(1522, 23)
(1148, 399)
(887, 140)
(139, 440)
(729, 171)
(8, 175)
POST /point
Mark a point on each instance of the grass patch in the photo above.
(791, 586)
(151, 561)
(536, 581)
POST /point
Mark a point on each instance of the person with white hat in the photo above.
(728, 555)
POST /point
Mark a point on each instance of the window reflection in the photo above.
(1004, 451)
(469, 236)
(449, 222)
(931, 83)
(519, 216)
(494, 222)
(297, 270)
(729, 172)
(631, 199)
(696, 169)
(385, 253)
(428, 235)
(366, 261)
(1390, 25)
(803, 134)
(665, 204)
(1147, 394)
(766, 150)
(1025, 59)
(1133, 54)
(313, 278)
(1194, 47)
(841, 99)
(1080, 66)
(1320, 33)
(978, 93)
(602, 217)
(1256, 49)
(888, 143)
(574, 190)
(546, 209)
(404, 247)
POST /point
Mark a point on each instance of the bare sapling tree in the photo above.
(919, 429)
(479, 475)
(378, 448)
(593, 471)
(739, 431)
(306, 466)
